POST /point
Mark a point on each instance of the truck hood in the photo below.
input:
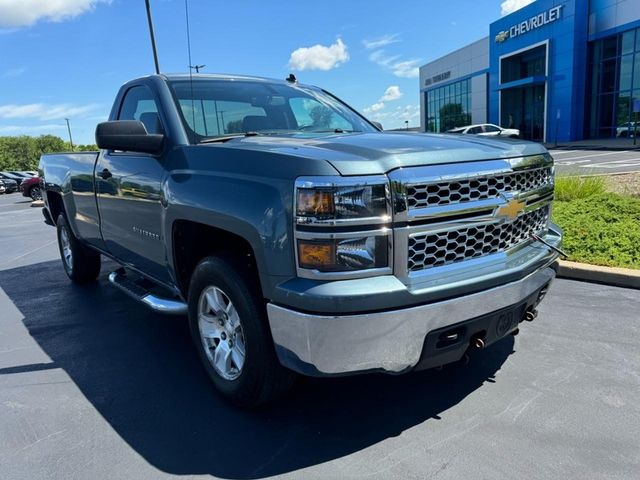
(381, 152)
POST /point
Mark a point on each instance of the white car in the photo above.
(627, 129)
(487, 129)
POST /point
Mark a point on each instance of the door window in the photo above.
(491, 129)
(139, 104)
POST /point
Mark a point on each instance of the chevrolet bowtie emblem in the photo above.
(502, 36)
(510, 210)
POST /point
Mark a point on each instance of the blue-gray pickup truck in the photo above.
(297, 237)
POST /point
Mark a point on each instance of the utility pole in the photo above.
(69, 129)
(153, 37)
(196, 67)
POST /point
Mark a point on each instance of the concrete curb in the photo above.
(619, 277)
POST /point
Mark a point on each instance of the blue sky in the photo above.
(69, 57)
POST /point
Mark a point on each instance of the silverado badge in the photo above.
(510, 210)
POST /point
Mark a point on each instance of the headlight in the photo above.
(342, 200)
(329, 213)
(355, 252)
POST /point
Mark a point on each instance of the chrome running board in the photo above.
(158, 304)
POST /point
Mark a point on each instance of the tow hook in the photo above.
(530, 315)
(478, 343)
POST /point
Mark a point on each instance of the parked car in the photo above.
(2, 187)
(487, 129)
(297, 237)
(10, 176)
(20, 174)
(627, 129)
(30, 187)
(9, 185)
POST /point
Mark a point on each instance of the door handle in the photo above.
(105, 174)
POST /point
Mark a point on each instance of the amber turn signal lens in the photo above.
(315, 202)
(316, 254)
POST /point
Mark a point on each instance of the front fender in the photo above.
(247, 207)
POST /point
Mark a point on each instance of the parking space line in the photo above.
(561, 152)
(571, 162)
(599, 155)
(631, 162)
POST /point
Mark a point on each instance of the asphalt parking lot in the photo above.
(93, 385)
(580, 161)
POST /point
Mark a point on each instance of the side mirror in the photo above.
(378, 125)
(128, 136)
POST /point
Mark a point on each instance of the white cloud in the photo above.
(374, 108)
(43, 111)
(396, 117)
(381, 41)
(319, 57)
(23, 13)
(392, 93)
(12, 72)
(397, 66)
(510, 6)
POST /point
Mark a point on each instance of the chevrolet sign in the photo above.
(533, 23)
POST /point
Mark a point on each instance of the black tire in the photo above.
(261, 378)
(35, 193)
(83, 264)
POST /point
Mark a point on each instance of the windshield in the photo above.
(226, 107)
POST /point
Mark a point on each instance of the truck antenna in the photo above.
(153, 37)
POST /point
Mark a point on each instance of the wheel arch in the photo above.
(192, 241)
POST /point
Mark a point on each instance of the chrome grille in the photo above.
(479, 188)
(434, 249)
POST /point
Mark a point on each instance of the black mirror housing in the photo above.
(128, 136)
(378, 125)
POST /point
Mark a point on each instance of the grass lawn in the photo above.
(600, 227)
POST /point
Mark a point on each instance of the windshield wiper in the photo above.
(226, 138)
(332, 130)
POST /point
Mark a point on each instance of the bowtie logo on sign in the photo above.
(545, 18)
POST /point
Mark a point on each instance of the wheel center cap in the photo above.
(223, 336)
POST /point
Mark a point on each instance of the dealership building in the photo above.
(558, 70)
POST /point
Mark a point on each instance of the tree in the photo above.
(23, 152)
(321, 116)
(234, 126)
(452, 116)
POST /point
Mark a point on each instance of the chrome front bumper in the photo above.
(391, 341)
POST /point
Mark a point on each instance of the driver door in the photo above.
(130, 197)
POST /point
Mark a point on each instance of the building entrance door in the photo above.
(523, 108)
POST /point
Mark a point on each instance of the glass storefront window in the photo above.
(606, 110)
(624, 108)
(626, 72)
(608, 78)
(610, 47)
(448, 107)
(628, 42)
(529, 63)
(614, 75)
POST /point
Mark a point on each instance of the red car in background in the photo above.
(30, 187)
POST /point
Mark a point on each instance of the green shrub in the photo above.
(573, 188)
(601, 229)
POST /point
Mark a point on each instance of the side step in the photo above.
(158, 304)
